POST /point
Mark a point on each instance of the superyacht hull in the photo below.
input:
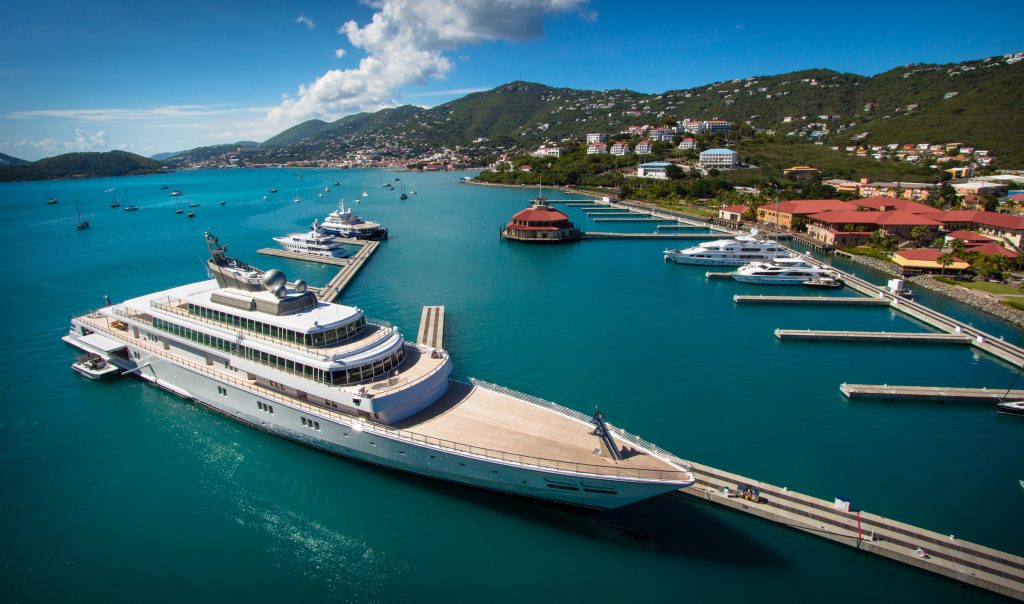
(356, 439)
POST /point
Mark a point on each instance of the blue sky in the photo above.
(152, 77)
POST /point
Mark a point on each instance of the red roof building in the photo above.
(781, 214)
(540, 223)
(927, 259)
(969, 237)
(993, 249)
(843, 228)
(733, 213)
(882, 204)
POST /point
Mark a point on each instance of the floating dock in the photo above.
(599, 235)
(717, 275)
(350, 266)
(872, 336)
(634, 219)
(929, 393)
(432, 327)
(823, 300)
(945, 555)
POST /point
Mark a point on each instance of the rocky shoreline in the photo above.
(875, 263)
(971, 297)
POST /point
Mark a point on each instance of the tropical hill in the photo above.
(7, 160)
(975, 102)
(83, 165)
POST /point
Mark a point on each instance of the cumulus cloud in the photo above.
(339, 52)
(303, 19)
(80, 141)
(405, 42)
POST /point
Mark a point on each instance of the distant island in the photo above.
(82, 165)
(7, 160)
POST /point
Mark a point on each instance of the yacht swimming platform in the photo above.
(945, 555)
(824, 300)
(929, 393)
(432, 327)
(886, 337)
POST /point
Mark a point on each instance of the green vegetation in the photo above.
(573, 168)
(83, 165)
(771, 158)
(1013, 304)
(7, 160)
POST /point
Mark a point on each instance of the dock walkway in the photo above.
(928, 393)
(946, 555)
(603, 235)
(823, 300)
(872, 336)
(432, 327)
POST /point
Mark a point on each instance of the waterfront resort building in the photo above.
(720, 159)
(733, 213)
(540, 223)
(927, 260)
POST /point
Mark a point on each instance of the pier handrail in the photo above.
(368, 425)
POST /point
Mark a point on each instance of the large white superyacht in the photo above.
(737, 251)
(251, 346)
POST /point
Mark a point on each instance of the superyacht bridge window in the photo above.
(337, 377)
(316, 339)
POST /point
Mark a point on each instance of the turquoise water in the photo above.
(116, 492)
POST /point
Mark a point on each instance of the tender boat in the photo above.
(729, 252)
(179, 211)
(781, 271)
(131, 208)
(315, 242)
(344, 223)
(273, 189)
(175, 193)
(191, 214)
(221, 202)
(94, 367)
(269, 354)
(164, 187)
(1011, 408)
(193, 205)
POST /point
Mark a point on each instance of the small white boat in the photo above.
(781, 271)
(94, 367)
(824, 283)
(1011, 408)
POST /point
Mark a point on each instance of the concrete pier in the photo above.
(872, 336)
(717, 275)
(633, 220)
(350, 267)
(945, 555)
(822, 300)
(432, 327)
(599, 235)
(929, 393)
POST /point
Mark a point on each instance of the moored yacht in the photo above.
(266, 353)
(344, 223)
(781, 271)
(729, 252)
(315, 242)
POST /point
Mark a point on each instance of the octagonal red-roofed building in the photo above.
(541, 223)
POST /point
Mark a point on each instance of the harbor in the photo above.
(351, 266)
(683, 424)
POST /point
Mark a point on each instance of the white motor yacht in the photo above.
(729, 252)
(315, 242)
(781, 271)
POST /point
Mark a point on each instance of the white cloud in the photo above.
(405, 43)
(131, 114)
(338, 53)
(303, 19)
(80, 141)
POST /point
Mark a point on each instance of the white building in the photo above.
(688, 143)
(643, 147)
(716, 126)
(718, 158)
(597, 149)
(545, 151)
(597, 137)
(654, 169)
(620, 149)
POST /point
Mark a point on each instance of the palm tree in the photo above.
(944, 260)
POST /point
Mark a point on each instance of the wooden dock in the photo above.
(945, 555)
(432, 327)
(350, 266)
(822, 300)
(872, 336)
(647, 219)
(929, 393)
(717, 275)
(599, 235)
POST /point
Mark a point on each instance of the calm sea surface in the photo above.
(120, 492)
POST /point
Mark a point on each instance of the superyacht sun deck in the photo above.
(270, 354)
(729, 252)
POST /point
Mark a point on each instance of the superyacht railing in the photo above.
(618, 432)
(369, 426)
(355, 342)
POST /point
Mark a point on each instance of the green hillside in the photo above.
(296, 133)
(7, 160)
(83, 165)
